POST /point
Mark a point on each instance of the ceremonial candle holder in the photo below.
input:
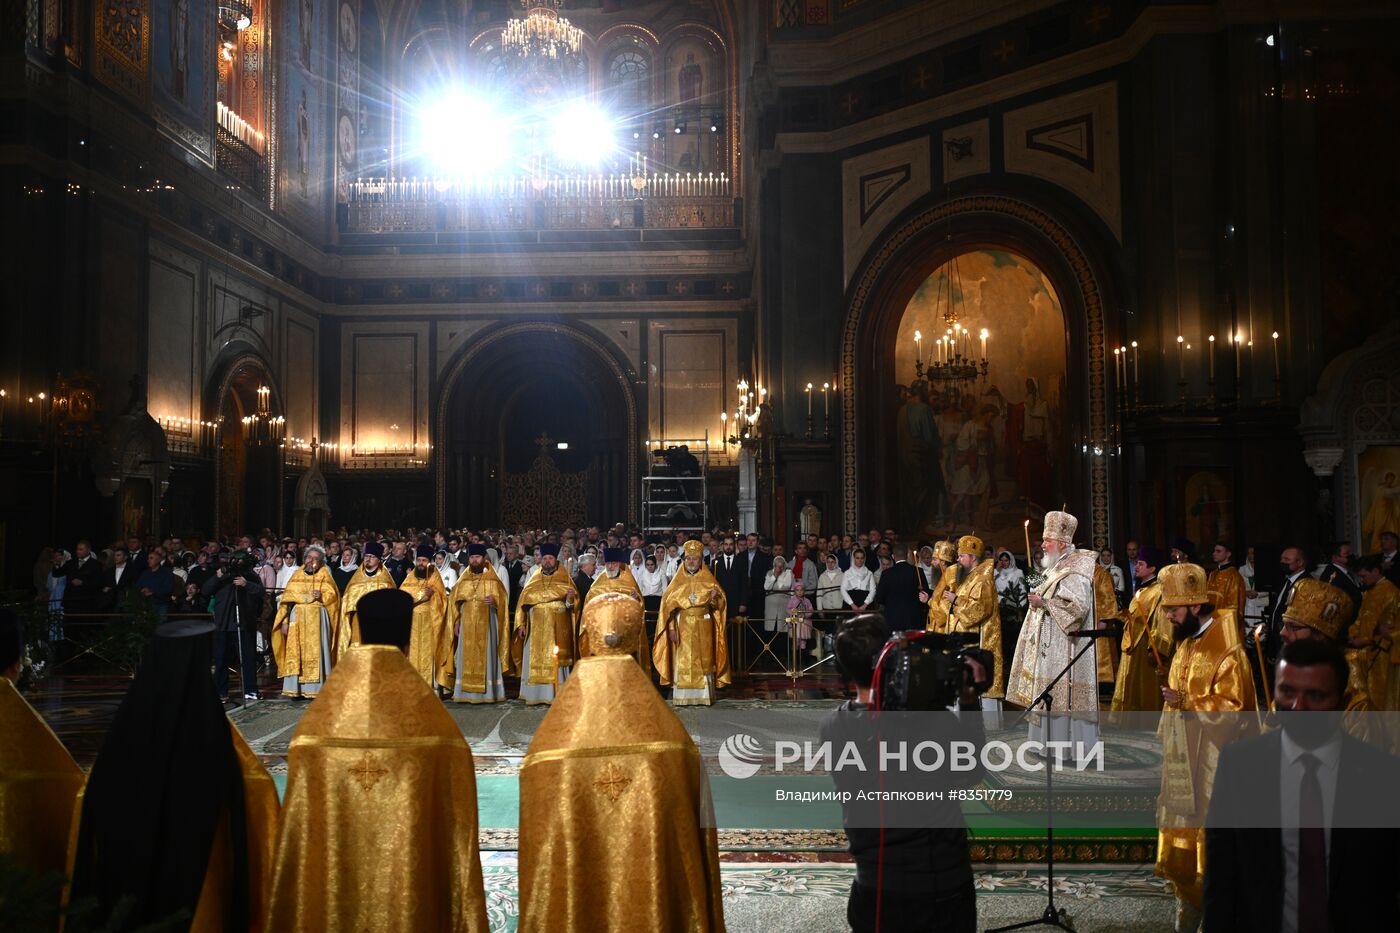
(809, 427)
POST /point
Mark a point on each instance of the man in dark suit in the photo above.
(1302, 830)
(583, 576)
(119, 579)
(1293, 562)
(1338, 573)
(732, 573)
(900, 597)
(84, 572)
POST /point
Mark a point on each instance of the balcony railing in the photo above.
(522, 204)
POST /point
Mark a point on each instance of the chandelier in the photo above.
(261, 429)
(952, 367)
(543, 33)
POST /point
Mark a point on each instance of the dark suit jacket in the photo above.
(582, 582)
(119, 588)
(759, 565)
(1272, 642)
(897, 595)
(1342, 580)
(1245, 866)
(88, 596)
(734, 581)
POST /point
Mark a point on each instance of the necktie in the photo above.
(1312, 852)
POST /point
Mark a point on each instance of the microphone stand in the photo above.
(1052, 916)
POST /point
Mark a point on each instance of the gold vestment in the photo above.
(1105, 610)
(39, 785)
(348, 632)
(978, 610)
(542, 608)
(624, 583)
(379, 826)
(430, 644)
(1226, 588)
(473, 620)
(695, 606)
(938, 605)
(1137, 688)
(1370, 661)
(1045, 647)
(1212, 674)
(298, 652)
(617, 831)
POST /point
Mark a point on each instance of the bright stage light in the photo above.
(463, 135)
(582, 135)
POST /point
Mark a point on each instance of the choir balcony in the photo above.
(522, 210)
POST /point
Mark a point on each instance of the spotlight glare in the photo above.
(463, 136)
(582, 135)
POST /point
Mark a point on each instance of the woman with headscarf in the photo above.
(777, 584)
(651, 581)
(445, 569)
(178, 816)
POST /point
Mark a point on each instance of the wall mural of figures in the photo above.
(1378, 475)
(305, 89)
(988, 456)
(183, 72)
(347, 145)
(694, 93)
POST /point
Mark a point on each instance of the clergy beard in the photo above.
(1048, 560)
(370, 573)
(614, 574)
(420, 572)
(1184, 630)
(962, 574)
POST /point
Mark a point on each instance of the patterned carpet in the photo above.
(803, 898)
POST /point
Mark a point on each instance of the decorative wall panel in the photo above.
(967, 150)
(384, 391)
(184, 72)
(122, 43)
(174, 371)
(875, 187)
(691, 364)
(1072, 141)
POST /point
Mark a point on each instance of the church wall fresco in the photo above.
(1002, 443)
(305, 75)
(183, 72)
(1378, 470)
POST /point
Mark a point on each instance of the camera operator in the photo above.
(913, 869)
(237, 594)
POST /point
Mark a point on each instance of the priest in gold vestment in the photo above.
(1226, 583)
(1211, 680)
(430, 650)
(974, 607)
(371, 575)
(1105, 610)
(303, 633)
(545, 624)
(616, 578)
(617, 832)
(1061, 604)
(39, 780)
(690, 650)
(481, 620)
(1147, 641)
(379, 823)
(945, 559)
(1374, 637)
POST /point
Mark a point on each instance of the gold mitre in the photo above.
(613, 622)
(693, 548)
(1182, 585)
(1060, 526)
(970, 544)
(1320, 606)
(947, 552)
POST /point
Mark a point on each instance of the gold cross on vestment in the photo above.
(368, 771)
(612, 783)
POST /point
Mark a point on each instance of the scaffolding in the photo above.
(675, 491)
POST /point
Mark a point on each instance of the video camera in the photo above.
(927, 670)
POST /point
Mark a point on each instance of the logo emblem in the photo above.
(740, 755)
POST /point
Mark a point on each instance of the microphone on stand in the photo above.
(1113, 630)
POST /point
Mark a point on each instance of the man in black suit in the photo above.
(1293, 562)
(583, 576)
(1303, 829)
(1338, 573)
(84, 572)
(899, 596)
(119, 579)
(731, 571)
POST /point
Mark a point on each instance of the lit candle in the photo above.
(984, 342)
(1239, 342)
(556, 666)
(1135, 366)
(1211, 353)
(1181, 355)
(826, 400)
(1029, 565)
(809, 400)
(918, 347)
(1117, 362)
(1278, 372)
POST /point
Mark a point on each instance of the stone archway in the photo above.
(247, 487)
(880, 292)
(490, 410)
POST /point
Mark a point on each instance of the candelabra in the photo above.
(262, 429)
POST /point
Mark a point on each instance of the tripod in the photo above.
(1052, 917)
